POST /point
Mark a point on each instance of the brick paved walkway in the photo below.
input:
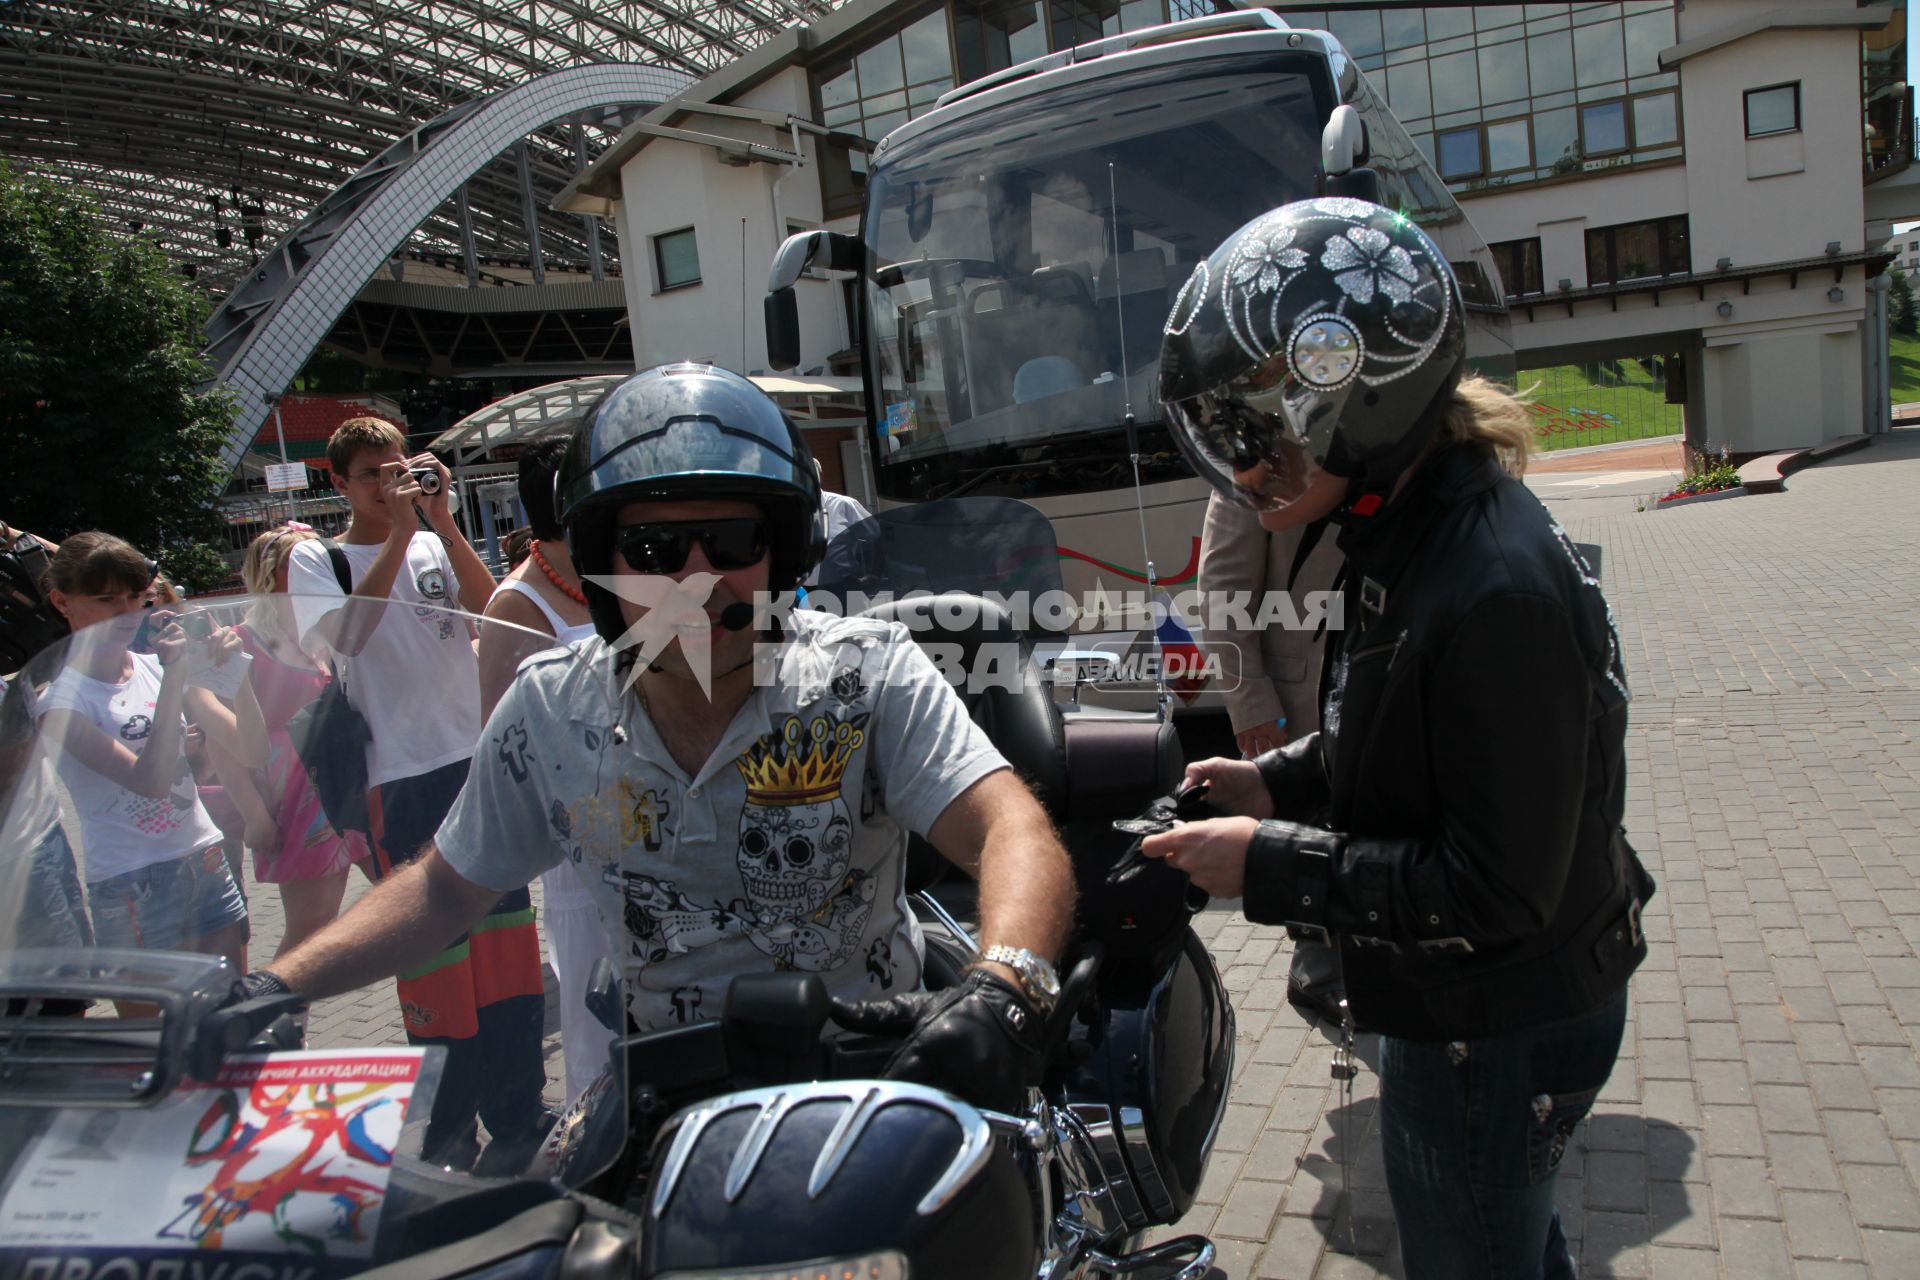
(1764, 1119)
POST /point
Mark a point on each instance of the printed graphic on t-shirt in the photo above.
(796, 843)
(431, 583)
(154, 815)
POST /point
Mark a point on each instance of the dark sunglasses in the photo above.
(663, 548)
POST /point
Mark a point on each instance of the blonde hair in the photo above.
(1485, 413)
(260, 570)
(356, 434)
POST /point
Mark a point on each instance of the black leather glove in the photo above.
(264, 982)
(980, 1040)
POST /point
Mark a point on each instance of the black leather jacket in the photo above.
(1456, 823)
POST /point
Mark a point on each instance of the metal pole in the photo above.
(531, 211)
(596, 263)
(470, 258)
(483, 507)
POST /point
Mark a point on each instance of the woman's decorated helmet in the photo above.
(1325, 335)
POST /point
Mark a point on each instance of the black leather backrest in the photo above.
(1002, 689)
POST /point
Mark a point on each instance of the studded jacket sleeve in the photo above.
(1296, 778)
(1506, 710)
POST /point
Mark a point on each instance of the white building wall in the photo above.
(673, 184)
(1786, 367)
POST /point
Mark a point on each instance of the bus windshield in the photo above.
(1023, 259)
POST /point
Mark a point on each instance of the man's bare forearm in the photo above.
(1026, 887)
(400, 925)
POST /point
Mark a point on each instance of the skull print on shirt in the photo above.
(807, 904)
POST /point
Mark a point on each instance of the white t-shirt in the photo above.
(121, 830)
(787, 851)
(416, 680)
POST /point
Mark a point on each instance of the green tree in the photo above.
(102, 424)
(1900, 305)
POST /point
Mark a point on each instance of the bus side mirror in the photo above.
(829, 249)
(1343, 143)
(1344, 152)
(783, 329)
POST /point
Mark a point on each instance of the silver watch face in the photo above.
(1036, 975)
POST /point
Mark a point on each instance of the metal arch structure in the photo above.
(269, 327)
(212, 126)
(517, 419)
(560, 406)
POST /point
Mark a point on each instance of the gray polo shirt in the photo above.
(787, 851)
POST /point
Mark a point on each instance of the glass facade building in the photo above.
(901, 74)
(1496, 94)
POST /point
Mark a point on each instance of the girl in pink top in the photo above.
(298, 849)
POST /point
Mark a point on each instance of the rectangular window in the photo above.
(1519, 265)
(1775, 109)
(1456, 83)
(992, 35)
(1460, 154)
(1603, 128)
(676, 260)
(1508, 147)
(1656, 120)
(1503, 72)
(1638, 251)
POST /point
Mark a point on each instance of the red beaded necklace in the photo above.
(572, 592)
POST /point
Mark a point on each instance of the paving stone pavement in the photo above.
(1764, 1118)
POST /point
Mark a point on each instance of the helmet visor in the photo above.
(1261, 439)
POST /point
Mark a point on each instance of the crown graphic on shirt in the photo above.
(801, 766)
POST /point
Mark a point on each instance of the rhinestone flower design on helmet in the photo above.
(1368, 304)
(1322, 334)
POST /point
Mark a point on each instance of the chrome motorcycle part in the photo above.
(947, 922)
(1151, 1087)
(887, 1264)
(1197, 1250)
(107, 1061)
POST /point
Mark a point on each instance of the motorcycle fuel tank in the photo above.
(860, 1180)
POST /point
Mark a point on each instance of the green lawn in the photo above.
(1903, 368)
(1604, 403)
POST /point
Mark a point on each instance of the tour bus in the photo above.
(1021, 244)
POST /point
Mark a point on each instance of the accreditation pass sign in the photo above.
(281, 1165)
(285, 476)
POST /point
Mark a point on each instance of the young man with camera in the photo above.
(409, 668)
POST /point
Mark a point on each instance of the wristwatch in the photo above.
(1038, 981)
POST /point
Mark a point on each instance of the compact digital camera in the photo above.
(428, 479)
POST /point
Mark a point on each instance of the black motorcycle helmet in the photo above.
(681, 432)
(1325, 334)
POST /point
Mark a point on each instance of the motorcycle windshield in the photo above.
(187, 790)
(985, 546)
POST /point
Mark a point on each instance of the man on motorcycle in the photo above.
(740, 800)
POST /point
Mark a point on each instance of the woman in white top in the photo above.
(542, 594)
(156, 876)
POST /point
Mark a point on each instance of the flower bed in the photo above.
(1719, 476)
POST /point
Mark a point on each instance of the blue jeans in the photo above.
(1474, 1131)
(168, 906)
